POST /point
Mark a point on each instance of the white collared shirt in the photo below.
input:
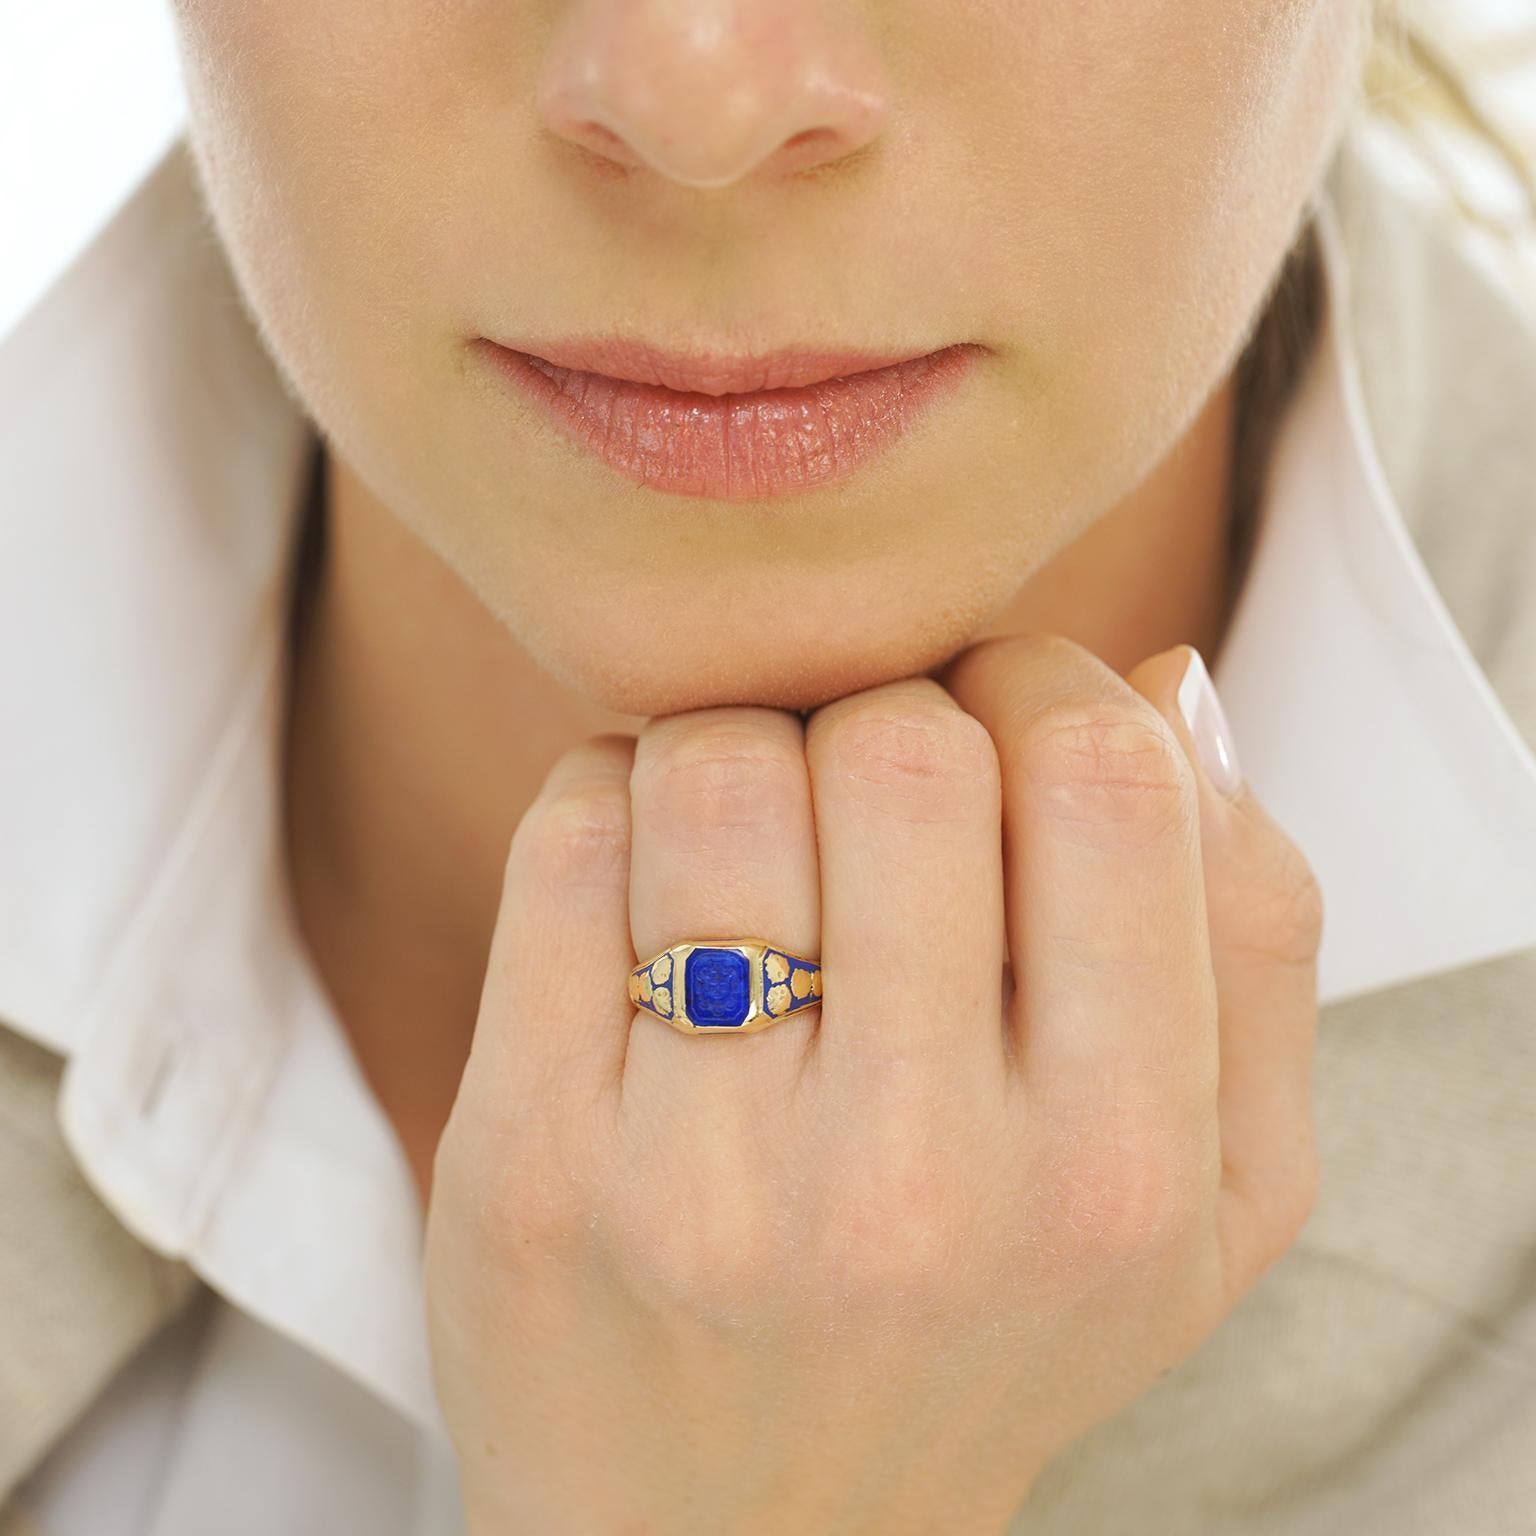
(151, 474)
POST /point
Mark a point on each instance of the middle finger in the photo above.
(908, 817)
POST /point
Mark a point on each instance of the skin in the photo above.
(950, 646)
(870, 1274)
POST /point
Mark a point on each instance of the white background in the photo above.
(90, 94)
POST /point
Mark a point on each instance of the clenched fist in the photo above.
(869, 1270)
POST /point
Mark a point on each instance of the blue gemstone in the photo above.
(719, 991)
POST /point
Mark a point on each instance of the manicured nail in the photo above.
(1207, 723)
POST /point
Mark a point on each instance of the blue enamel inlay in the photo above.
(718, 987)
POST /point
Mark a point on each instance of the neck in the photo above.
(420, 731)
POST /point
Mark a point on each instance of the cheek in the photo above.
(323, 129)
(1158, 159)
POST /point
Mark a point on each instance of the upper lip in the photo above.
(711, 373)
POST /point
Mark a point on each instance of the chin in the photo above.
(649, 670)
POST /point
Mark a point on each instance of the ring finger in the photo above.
(724, 845)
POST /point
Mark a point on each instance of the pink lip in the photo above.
(730, 428)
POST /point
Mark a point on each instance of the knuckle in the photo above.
(716, 1267)
(998, 660)
(898, 1238)
(536, 1216)
(922, 758)
(1133, 1196)
(718, 780)
(1302, 1194)
(1291, 1203)
(1112, 768)
(581, 834)
(1283, 918)
(911, 1249)
(532, 1213)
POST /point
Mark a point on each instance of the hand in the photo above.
(868, 1271)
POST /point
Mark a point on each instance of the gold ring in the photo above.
(725, 986)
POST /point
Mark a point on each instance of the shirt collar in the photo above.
(1362, 719)
(152, 463)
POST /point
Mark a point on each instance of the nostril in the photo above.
(606, 147)
(604, 141)
(781, 88)
(808, 136)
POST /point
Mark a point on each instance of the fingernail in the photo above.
(1207, 723)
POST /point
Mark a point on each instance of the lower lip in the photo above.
(738, 447)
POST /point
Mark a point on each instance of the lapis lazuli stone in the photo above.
(719, 988)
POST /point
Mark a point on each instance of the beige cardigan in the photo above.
(1381, 1378)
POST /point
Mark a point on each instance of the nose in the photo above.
(707, 92)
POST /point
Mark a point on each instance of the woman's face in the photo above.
(1094, 196)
